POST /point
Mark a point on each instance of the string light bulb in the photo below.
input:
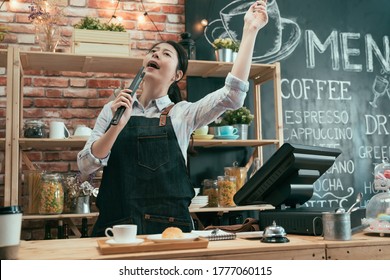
(142, 17)
(204, 22)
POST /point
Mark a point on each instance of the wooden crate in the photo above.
(101, 42)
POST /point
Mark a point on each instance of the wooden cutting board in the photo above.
(149, 246)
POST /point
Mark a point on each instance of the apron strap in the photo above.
(164, 114)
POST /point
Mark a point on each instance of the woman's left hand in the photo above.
(257, 17)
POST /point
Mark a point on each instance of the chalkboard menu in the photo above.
(335, 63)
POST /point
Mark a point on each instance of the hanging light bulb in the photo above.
(142, 18)
(204, 22)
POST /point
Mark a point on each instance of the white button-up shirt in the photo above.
(185, 117)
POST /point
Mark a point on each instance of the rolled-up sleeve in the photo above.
(236, 84)
(86, 161)
(210, 107)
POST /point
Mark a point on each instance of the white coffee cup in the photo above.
(122, 233)
(82, 130)
(10, 230)
(58, 130)
(203, 130)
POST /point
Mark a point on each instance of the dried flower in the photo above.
(77, 187)
(46, 15)
(45, 12)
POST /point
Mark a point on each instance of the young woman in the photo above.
(145, 180)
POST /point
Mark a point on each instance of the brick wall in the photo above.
(77, 98)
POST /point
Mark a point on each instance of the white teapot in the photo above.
(82, 131)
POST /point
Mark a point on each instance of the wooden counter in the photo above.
(362, 246)
(239, 249)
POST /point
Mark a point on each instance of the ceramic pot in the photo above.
(82, 205)
(242, 131)
(224, 55)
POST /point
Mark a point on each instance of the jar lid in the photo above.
(52, 176)
(10, 210)
(34, 122)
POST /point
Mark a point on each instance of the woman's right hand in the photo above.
(123, 99)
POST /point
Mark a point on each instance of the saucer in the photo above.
(227, 137)
(133, 242)
(204, 137)
(78, 137)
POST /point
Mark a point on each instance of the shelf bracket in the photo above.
(27, 161)
(87, 63)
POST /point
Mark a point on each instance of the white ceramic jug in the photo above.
(82, 131)
(58, 130)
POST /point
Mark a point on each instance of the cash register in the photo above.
(286, 181)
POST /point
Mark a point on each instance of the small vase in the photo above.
(48, 36)
(242, 131)
(82, 205)
(224, 55)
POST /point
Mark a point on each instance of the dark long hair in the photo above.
(182, 57)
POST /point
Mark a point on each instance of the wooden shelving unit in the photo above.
(61, 62)
(3, 64)
(6, 61)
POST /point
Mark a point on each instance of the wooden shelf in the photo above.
(128, 65)
(192, 210)
(232, 209)
(59, 216)
(46, 143)
(234, 143)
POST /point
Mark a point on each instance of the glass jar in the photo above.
(239, 172)
(382, 176)
(52, 194)
(378, 207)
(226, 190)
(256, 166)
(34, 129)
(210, 188)
(33, 183)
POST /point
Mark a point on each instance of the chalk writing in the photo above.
(371, 48)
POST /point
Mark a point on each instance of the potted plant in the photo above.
(240, 119)
(3, 31)
(91, 36)
(236, 47)
(224, 48)
(78, 191)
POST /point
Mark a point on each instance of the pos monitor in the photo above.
(287, 177)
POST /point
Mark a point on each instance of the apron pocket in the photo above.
(154, 224)
(153, 151)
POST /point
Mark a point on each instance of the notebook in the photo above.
(215, 235)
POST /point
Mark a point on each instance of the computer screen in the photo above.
(287, 177)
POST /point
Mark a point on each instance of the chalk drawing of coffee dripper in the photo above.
(278, 39)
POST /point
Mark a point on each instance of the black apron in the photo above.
(145, 181)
